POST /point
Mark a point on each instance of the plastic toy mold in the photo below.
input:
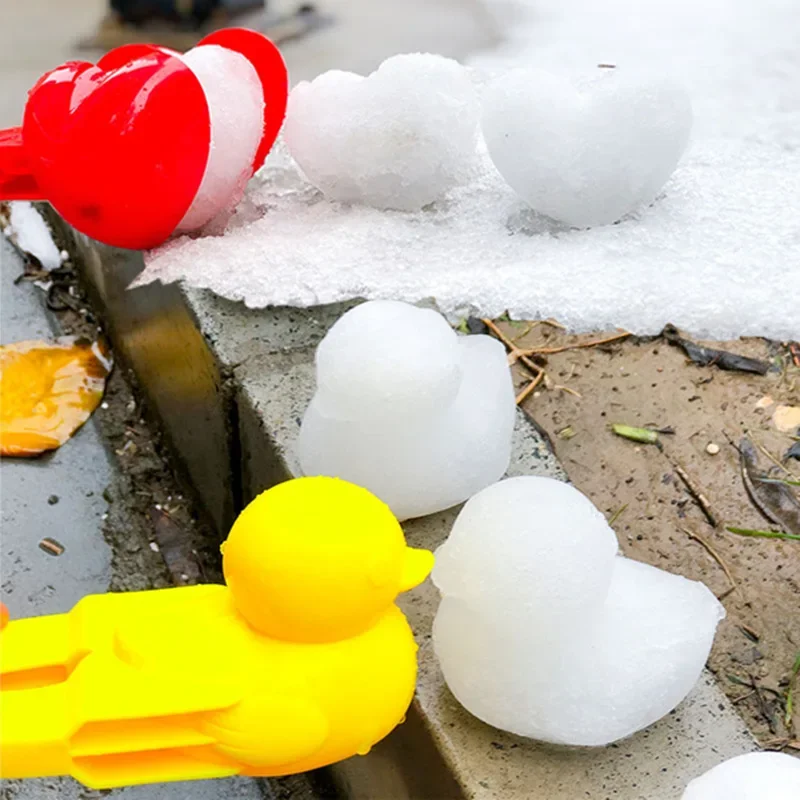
(302, 660)
(124, 150)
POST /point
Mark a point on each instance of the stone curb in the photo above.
(229, 386)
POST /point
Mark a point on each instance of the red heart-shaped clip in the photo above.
(120, 148)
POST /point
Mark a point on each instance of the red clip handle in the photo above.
(16, 180)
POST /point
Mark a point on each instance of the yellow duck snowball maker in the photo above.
(302, 660)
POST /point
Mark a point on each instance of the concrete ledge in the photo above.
(230, 386)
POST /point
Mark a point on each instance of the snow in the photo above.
(404, 407)
(235, 101)
(754, 776)
(544, 631)
(28, 230)
(715, 253)
(398, 138)
(585, 151)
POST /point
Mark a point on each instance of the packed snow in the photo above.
(235, 101)
(404, 407)
(398, 138)
(716, 252)
(28, 230)
(754, 776)
(545, 631)
(585, 151)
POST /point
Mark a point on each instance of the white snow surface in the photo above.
(717, 253)
(753, 776)
(398, 138)
(544, 631)
(404, 407)
(30, 233)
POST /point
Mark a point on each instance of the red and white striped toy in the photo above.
(149, 142)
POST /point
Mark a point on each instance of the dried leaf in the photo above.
(708, 356)
(47, 391)
(776, 501)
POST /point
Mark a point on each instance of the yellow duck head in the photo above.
(318, 560)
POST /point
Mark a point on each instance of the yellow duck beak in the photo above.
(416, 567)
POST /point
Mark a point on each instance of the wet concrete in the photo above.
(62, 496)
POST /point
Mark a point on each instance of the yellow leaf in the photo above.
(47, 391)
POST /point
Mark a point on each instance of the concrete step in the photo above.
(230, 385)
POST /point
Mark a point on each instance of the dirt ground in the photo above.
(647, 383)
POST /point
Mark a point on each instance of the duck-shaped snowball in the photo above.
(421, 417)
(753, 776)
(303, 659)
(544, 631)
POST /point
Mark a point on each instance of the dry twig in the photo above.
(696, 493)
(546, 351)
(717, 557)
(514, 352)
(528, 390)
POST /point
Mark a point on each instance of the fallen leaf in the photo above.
(709, 356)
(787, 418)
(47, 391)
(774, 500)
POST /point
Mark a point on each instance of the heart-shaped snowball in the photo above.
(397, 139)
(545, 632)
(404, 407)
(585, 151)
(753, 776)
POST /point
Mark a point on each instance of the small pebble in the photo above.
(52, 500)
(103, 405)
(154, 547)
(712, 449)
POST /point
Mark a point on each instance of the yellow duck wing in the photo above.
(269, 732)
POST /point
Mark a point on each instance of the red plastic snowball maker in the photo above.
(120, 148)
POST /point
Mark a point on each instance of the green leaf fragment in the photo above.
(643, 435)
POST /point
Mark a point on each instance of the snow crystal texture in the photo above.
(404, 407)
(544, 631)
(754, 776)
(398, 138)
(717, 252)
(235, 101)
